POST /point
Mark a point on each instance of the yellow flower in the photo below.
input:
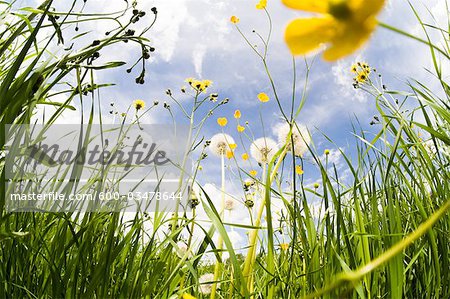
(362, 77)
(327, 152)
(263, 97)
(222, 121)
(298, 170)
(316, 185)
(190, 80)
(237, 114)
(230, 154)
(240, 128)
(344, 25)
(253, 173)
(139, 104)
(232, 146)
(234, 19)
(262, 4)
(245, 156)
(206, 83)
(284, 246)
(354, 68)
(187, 296)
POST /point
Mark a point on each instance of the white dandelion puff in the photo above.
(220, 144)
(230, 203)
(206, 282)
(300, 136)
(430, 147)
(263, 149)
(181, 249)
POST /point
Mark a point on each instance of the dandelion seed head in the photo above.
(263, 149)
(206, 283)
(230, 203)
(220, 144)
(300, 136)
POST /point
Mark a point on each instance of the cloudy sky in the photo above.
(194, 38)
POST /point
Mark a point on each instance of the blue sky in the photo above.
(194, 38)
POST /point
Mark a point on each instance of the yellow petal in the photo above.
(230, 154)
(253, 173)
(320, 6)
(240, 129)
(237, 114)
(263, 97)
(305, 35)
(366, 9)
(234, 19)
(232, 146)
(222, 121)
(350, 38)
(298, 170)
(245, 156)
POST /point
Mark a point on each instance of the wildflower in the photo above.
(206, 83)
(361, 78)
(263, 97)
(230, 154)
(220, 144)
(262, 4)
(139, 104)
(230, 203)
(430, 148)
(237, 114)
(263, 150)
(234, 19)
(240, 128)
(344, 26)
(187, 296)
(249, 202)
(206, 281)
(354, 68)
(222, 121)
(298, 170)
(326, 152)
(245, 156)
(248, 183)
(316, 185)
(181, 249)
(300, 136)
(284, 246)
(253, 173)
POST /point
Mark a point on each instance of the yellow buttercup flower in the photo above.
(139, 104)
(253, 173)
(263, 97)
(187, 296)
(245, 156)
(298, 170)
(240, 128)
(284, 246)
(262, 4)
(237, 114)
(230, 154)
(222, 121)
(234, 19)
(233, 146)
(344, 25)
(327, 152)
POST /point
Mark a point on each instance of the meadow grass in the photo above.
(381, 229)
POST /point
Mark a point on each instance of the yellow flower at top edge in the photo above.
(262, 4)
(139, 104)
(222, 121)
(237, 114)
(234, 19)
(343, 25)
(263, 97)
